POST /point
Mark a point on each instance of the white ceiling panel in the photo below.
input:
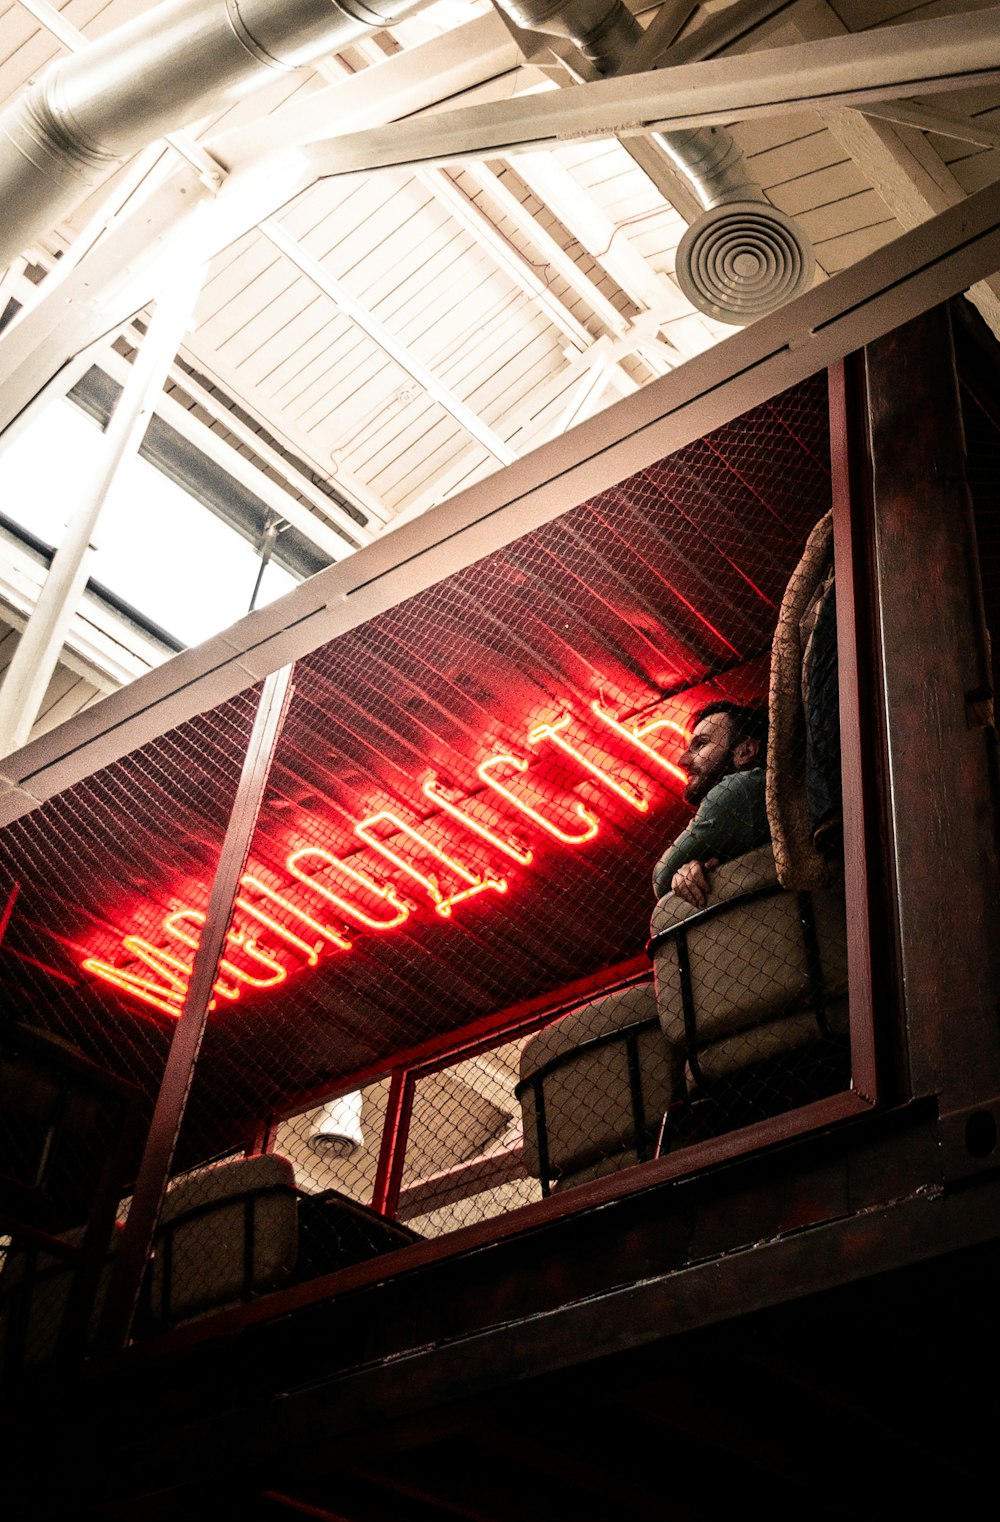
(396, 331)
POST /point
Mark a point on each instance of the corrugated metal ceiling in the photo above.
(651, 599)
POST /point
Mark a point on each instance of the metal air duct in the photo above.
(743, 257)
(181, 60)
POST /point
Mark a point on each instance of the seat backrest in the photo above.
(578, 1075)
(35, 1289)
(767, 967)
(225, 1234)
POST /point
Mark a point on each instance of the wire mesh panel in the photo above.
(103, 887)
(434, 998)
(468, 799)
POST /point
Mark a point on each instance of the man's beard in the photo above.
(700, 786)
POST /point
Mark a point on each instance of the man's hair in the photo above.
(749, 723)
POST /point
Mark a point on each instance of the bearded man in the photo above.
(724, 762)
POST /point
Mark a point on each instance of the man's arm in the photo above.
(732, 819)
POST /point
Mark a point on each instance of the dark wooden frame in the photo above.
(870, 915)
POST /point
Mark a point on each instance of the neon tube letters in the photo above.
(311, 915)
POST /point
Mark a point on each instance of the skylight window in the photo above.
(158, 549)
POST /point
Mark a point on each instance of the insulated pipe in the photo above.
(159, 72)
(744, 257)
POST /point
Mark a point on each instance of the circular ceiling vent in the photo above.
(742, 259)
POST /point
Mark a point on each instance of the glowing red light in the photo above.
(310, 952)
(167, 997)
(636, 736)
(516, 852)
(442, 902)
(554, 733)
(591, 825)
(155, 976)
(347, 907)
(173, 924)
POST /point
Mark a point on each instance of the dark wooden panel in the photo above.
(932, 651)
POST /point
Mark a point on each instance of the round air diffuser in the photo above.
(336, 1128)
(742, 259)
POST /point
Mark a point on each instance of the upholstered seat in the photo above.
(594, 1086)
(760, 972)
(36, 1284)
(225, 1234)
(240, 1229)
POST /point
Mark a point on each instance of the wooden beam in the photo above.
(934, 664)
(613, 249)
(912, 180)
(661, 34)
(327, 282)
(552, 251)
(462, 59)
(658, 47)
(277, 497)
(911, 113)
(724, 30)
(122, 273)
(902, 166)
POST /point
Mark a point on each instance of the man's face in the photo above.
(709, 756)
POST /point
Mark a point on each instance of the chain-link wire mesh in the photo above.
(88, 880)
(434, 1001)
(468, 798)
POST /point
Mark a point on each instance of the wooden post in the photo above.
(932, 647)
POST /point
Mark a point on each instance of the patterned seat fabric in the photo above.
(225, 1234)
(580, 1068)
(768, 974)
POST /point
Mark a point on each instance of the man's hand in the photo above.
(691, 882)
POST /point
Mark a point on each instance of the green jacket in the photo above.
(731, 820)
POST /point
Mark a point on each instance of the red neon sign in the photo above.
(554, 732)
(636, 737)
(173, 924)
(270, 926)
(348, 907)
(484, 771)
(509, 848)
(442, 902)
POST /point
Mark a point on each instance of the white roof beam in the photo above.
(359, 494)
(471, 216)
(552, 252)
(316, 528)
(918, 57)
(583, 403)
(464, 59)
(505, 255)
(914, 182)
(716, 33)
(659, 46)
(661, 33)
(477, 223)
(918, 270)
(37, 655)
(611, 246)
(102, 645)
(124, 269)
(962, 129)
(531, 422)
(348, 485)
